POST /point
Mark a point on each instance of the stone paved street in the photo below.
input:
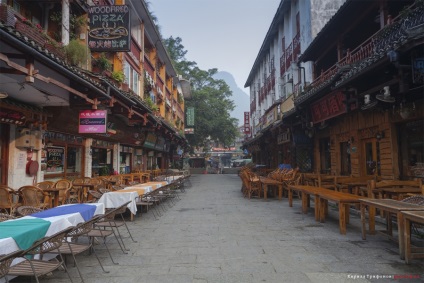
(213, 234)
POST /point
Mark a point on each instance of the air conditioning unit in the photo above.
(25, 138)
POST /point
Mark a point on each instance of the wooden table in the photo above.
(305, 192)
(343, 200)
(408, 217)
(265, 182)
(322, 196)
(391, 206)
(398, 192)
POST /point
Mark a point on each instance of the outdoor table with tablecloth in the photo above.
(20, 233)
(117, 198)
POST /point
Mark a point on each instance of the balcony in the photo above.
(34, 32)
(391, 37)
(148, 66)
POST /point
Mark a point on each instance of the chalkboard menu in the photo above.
(109, 28)
(55, 159)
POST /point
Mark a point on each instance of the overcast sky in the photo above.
(223, 34)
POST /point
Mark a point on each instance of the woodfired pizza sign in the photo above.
(109, 28)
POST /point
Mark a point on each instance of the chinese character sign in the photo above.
(92, 121)
(190, 116)
(328, 107)
(109, 28)
(247, 122)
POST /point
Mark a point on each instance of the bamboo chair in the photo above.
(31, 196)
(27, 210)
(5, 216)
(6, 200)
(45, 185)
(62, 185)
(6, 261)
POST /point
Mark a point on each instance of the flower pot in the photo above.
(125, 87)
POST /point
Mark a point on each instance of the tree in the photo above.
(210, 99)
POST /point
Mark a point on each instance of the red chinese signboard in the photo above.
(92, 122)
(328, 107)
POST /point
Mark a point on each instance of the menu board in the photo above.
(55, 159)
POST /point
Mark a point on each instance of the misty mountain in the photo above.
(240, 98)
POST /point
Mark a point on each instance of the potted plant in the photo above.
(75, 52)
(118, 76)
(102, 64)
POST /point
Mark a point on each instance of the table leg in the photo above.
(280, 192)
(363, 220)
(371, 219)
(401, 235)
(317, 208)
(290, 196)
(304, 202)
(407, 237)
(322, 209)
(56, 198)
(265, 191)
(342, 218)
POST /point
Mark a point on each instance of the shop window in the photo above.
(304, 158)
(411, 146)
(102, 161)
(325, 156)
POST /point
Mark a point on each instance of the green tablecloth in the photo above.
(24, 231)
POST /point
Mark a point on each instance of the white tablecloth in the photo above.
(116, 199)
(58, 223)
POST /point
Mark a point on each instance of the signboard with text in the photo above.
(92, 121)
(190, 116)
(328, 107)
(150, 141)
(110, 28)
(247, 123)
(55, 159)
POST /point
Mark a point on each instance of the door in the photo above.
(371, 156)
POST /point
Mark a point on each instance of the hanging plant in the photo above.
(118, 76)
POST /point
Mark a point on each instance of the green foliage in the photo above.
(76, 53)
(103, 63)
(75, 23)
(118, 76)
(210, 99)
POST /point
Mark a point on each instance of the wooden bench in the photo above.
(377, 189)
(322, 196)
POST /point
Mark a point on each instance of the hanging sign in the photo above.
(109, 28)
(328, 107)
(150, 141)
(92, 121)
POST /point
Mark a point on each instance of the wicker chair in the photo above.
(6, 200)
(27, 210)
(62, 186)
(6, 261)
(4, 217)
(31, 196)
(45, 185)
(37, 267)
(95, 195)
